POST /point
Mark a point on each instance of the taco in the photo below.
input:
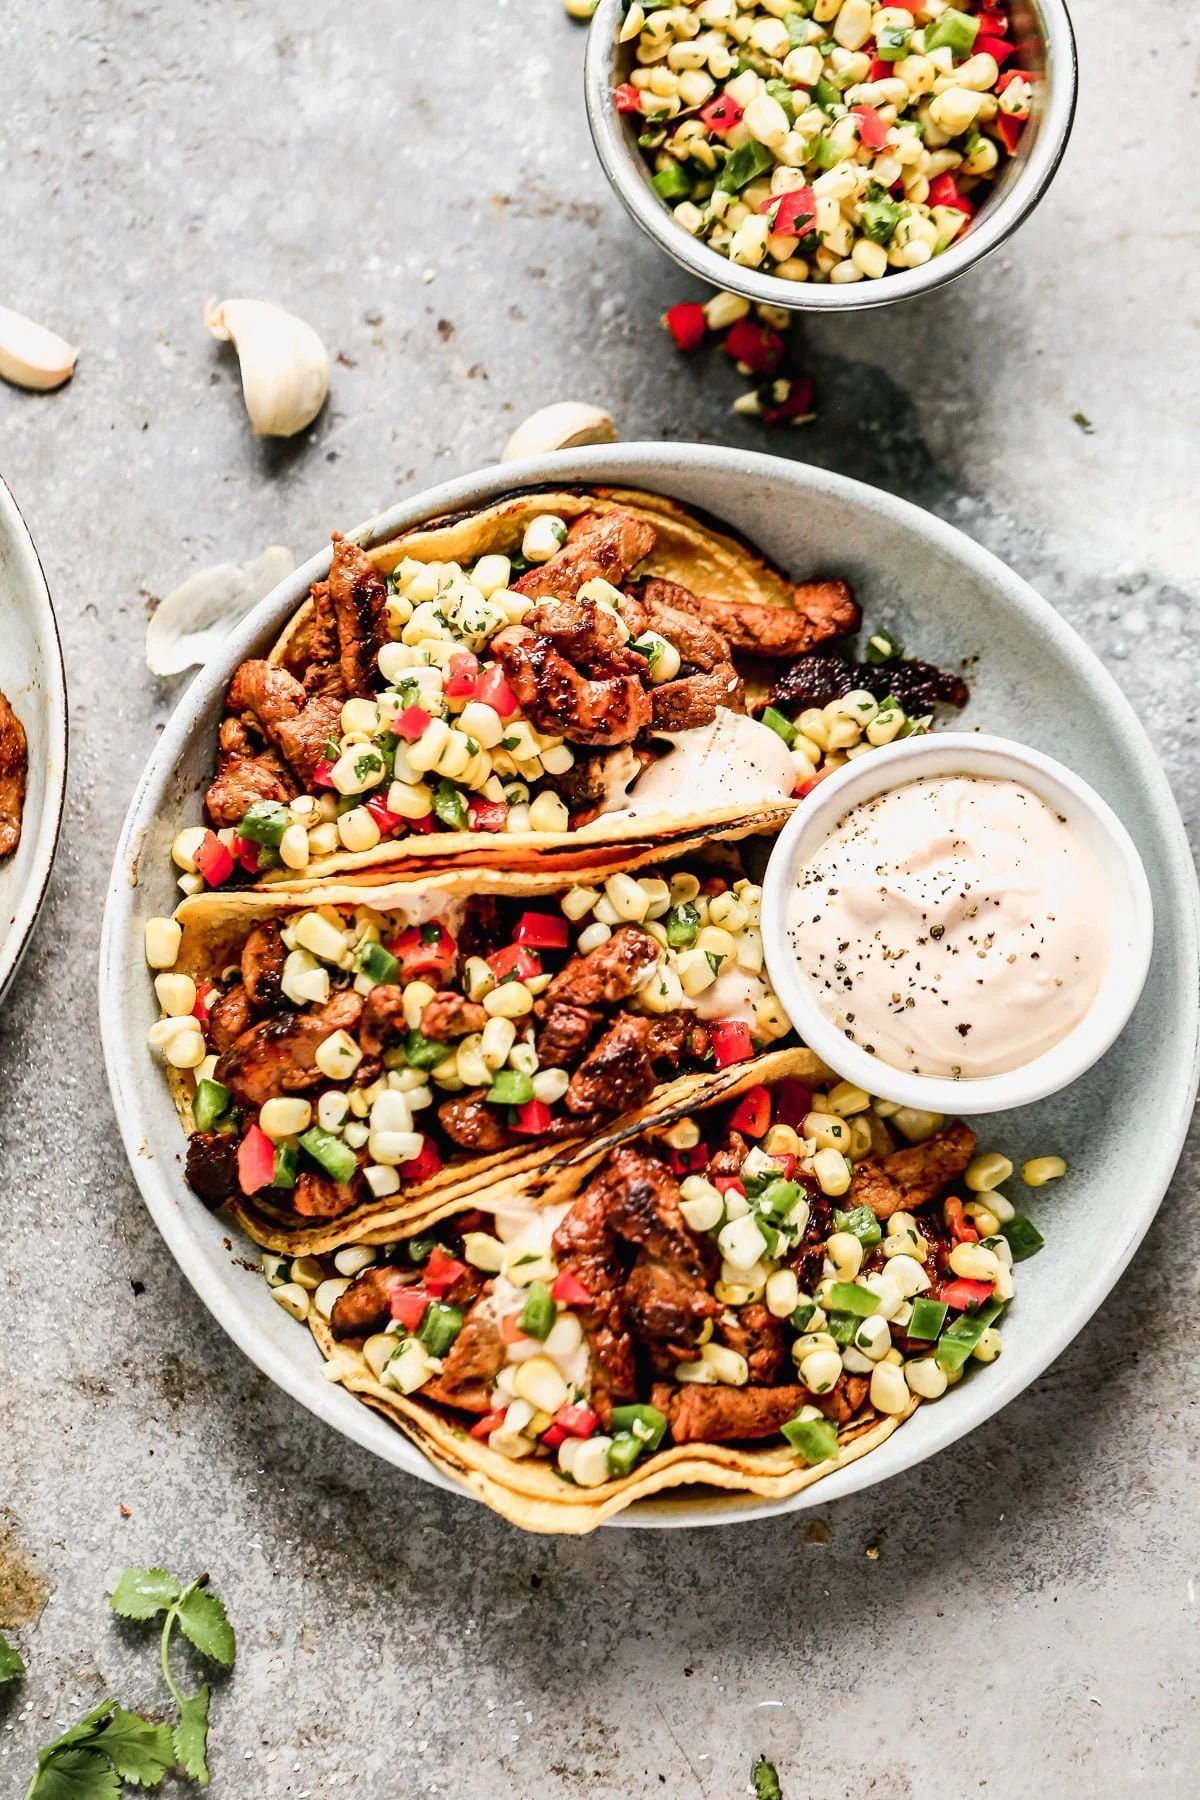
(556, 669)
(750, 1291)
(347, 1057)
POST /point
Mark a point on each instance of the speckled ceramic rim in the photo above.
(1128, 907)
(622, 163)
(48, 824)
(146, 1113)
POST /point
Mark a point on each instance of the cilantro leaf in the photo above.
(202, 1617)
(141, 1752)
(766, 1781)
(191, 1736)
(12, 1663)
(141, 1593)
(66, 1773)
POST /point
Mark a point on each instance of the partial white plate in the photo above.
(33, 679)
(1033, 679)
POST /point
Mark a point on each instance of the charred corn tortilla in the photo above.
(689, 551)
(215, 928)
(529, 1492)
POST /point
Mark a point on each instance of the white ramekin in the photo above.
(1125, 897)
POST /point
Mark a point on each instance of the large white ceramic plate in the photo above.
(1033, 680)
(31, 676)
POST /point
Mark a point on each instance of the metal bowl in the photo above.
(1042, 27)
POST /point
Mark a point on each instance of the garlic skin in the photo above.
(31, 356)
(563, 426)
(192, 620)
(285, 366)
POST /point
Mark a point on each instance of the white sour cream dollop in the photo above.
(735, 761)
(953, 927)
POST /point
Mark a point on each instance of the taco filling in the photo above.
(353, 1052)
(526, 693)
(771, 1272)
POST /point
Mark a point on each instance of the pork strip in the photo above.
(618, 1074)
(323, 671)
(14, 763)
(278, 1056)
(471, 1123)
(303, 738)
(613, 971)
(609, 545)
(366, 1305)
(471, 1365)
(318, 1196)
(696, 699)
(564, 1033)
(558, 698)
(358, 593)
(211, 1166)
(913, 1177)
(451, 1016)
(227, 1020)
(263, 957)
(585, 1246)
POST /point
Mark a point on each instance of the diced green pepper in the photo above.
(954, 31)
(377, 964)
(884, 647)
(265, 822)
(1024, 1238)
(891, 42)
(623, 1454)
(848, 1297)
(815, 1439)
(779, 1198)
(781, 726)
(420, 1249)
(879, 219)
(683, 926)
(779, 90)
(841, 1328)
(826, 94)
(747, 161)
(538, 1313)
(329, 1152)
(510, 1088)
(210, 1103)
(646, 1423)
(928, 1317)
(672, 183)
(797, 24)
(449, 806)
(440, 1326)
(827, 154)
(803, 1313)
(861, 1222)
(958, 1341)
(421, 1052)
(287, 1159)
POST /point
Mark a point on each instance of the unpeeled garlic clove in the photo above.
(192, 620)
(285, 366)
(563, 426)
(31, 356)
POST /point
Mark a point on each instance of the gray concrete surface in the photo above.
(1028, 1624)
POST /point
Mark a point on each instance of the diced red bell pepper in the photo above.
(731, 1042)
(996, 47)
(492, 689)
(424, 950)
(911, 6)
(1010, 129)
(722, 113)
(880, 70)
(532, 1119)
(245, 853)
(213, 860)
(256, 1161)
(462, 672)
(943, 191)
(576, 1420)
(423, 826)
(627, 97)
(794, 213)
(793, 1103)
(757, 345)
(960, 1226)
(552, 1437)
(787, 1163)
(872, 130)
(568, 1290)
(716, 884)
(487, 815)
(483, 1428)
(207, 995)
(542, 931)
(388, 822)
(1005, 82)
(797, 405)
(412, 723)
(422, 1167)
(992, 23)
(516, 960)
(752, 1114)
(689, 1162)
(322, 775)
(408, 1305)
(730, 1184)
(963, 1294)
(806, 787)
(442, 1271)
(686, 324)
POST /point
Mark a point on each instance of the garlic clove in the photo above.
(563, 426)
(193, 619)
(31, 356)
(285, 366)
